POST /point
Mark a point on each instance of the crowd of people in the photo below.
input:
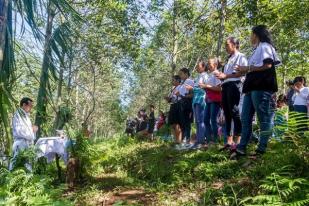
(227, 97)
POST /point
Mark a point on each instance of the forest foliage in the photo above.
(92, 64)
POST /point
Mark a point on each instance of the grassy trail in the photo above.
(129, 172)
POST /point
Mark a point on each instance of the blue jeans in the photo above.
(261, 103)
(199, 113)
(224, 134)
(211, 126)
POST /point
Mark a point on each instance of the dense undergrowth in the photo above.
(280, 177)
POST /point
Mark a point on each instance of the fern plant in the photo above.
(22, 188)
(281, 190)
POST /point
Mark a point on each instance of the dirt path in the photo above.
(128, 196)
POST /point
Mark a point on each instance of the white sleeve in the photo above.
(20, 129)
(304, 93)
(205, 79)
(18, 126)
(243, 61)
(217, 81)
(266, 52)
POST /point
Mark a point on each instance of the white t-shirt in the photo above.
(182, 90)
(201, 78)
(263, 51)
(301, 97)
(236, 59)
(213, 80)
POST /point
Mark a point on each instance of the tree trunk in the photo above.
(175, 38)
(42, 94)
(58, 124)
(221, 26)
(3, 24)
(5, 72)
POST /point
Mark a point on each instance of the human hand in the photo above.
(35, 128)
(188, 87)
(221, 75)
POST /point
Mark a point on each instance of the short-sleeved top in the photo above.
(263, 51)
(183, 90)
(213, 80)
(236, 59)
(301, 97)
(265, 80)
(199, 94)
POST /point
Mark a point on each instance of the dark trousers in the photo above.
(301, 118)
(230, 102)
(186, 115)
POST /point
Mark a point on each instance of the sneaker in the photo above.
(185, 144)
(178, 147)
(196, 146)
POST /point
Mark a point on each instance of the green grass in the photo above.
(189, 178)
(156, 174)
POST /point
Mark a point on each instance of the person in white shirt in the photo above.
(231, 90)
(259, 86)
(23, 130)
(213, 101)
(174, 114)
(186, 112)
(301, 98)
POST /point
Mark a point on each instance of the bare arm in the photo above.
(223, 76)
(245, 69)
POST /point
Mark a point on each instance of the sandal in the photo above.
(233, 148)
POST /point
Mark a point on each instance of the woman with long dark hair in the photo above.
(259, 86)
(231, 86)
